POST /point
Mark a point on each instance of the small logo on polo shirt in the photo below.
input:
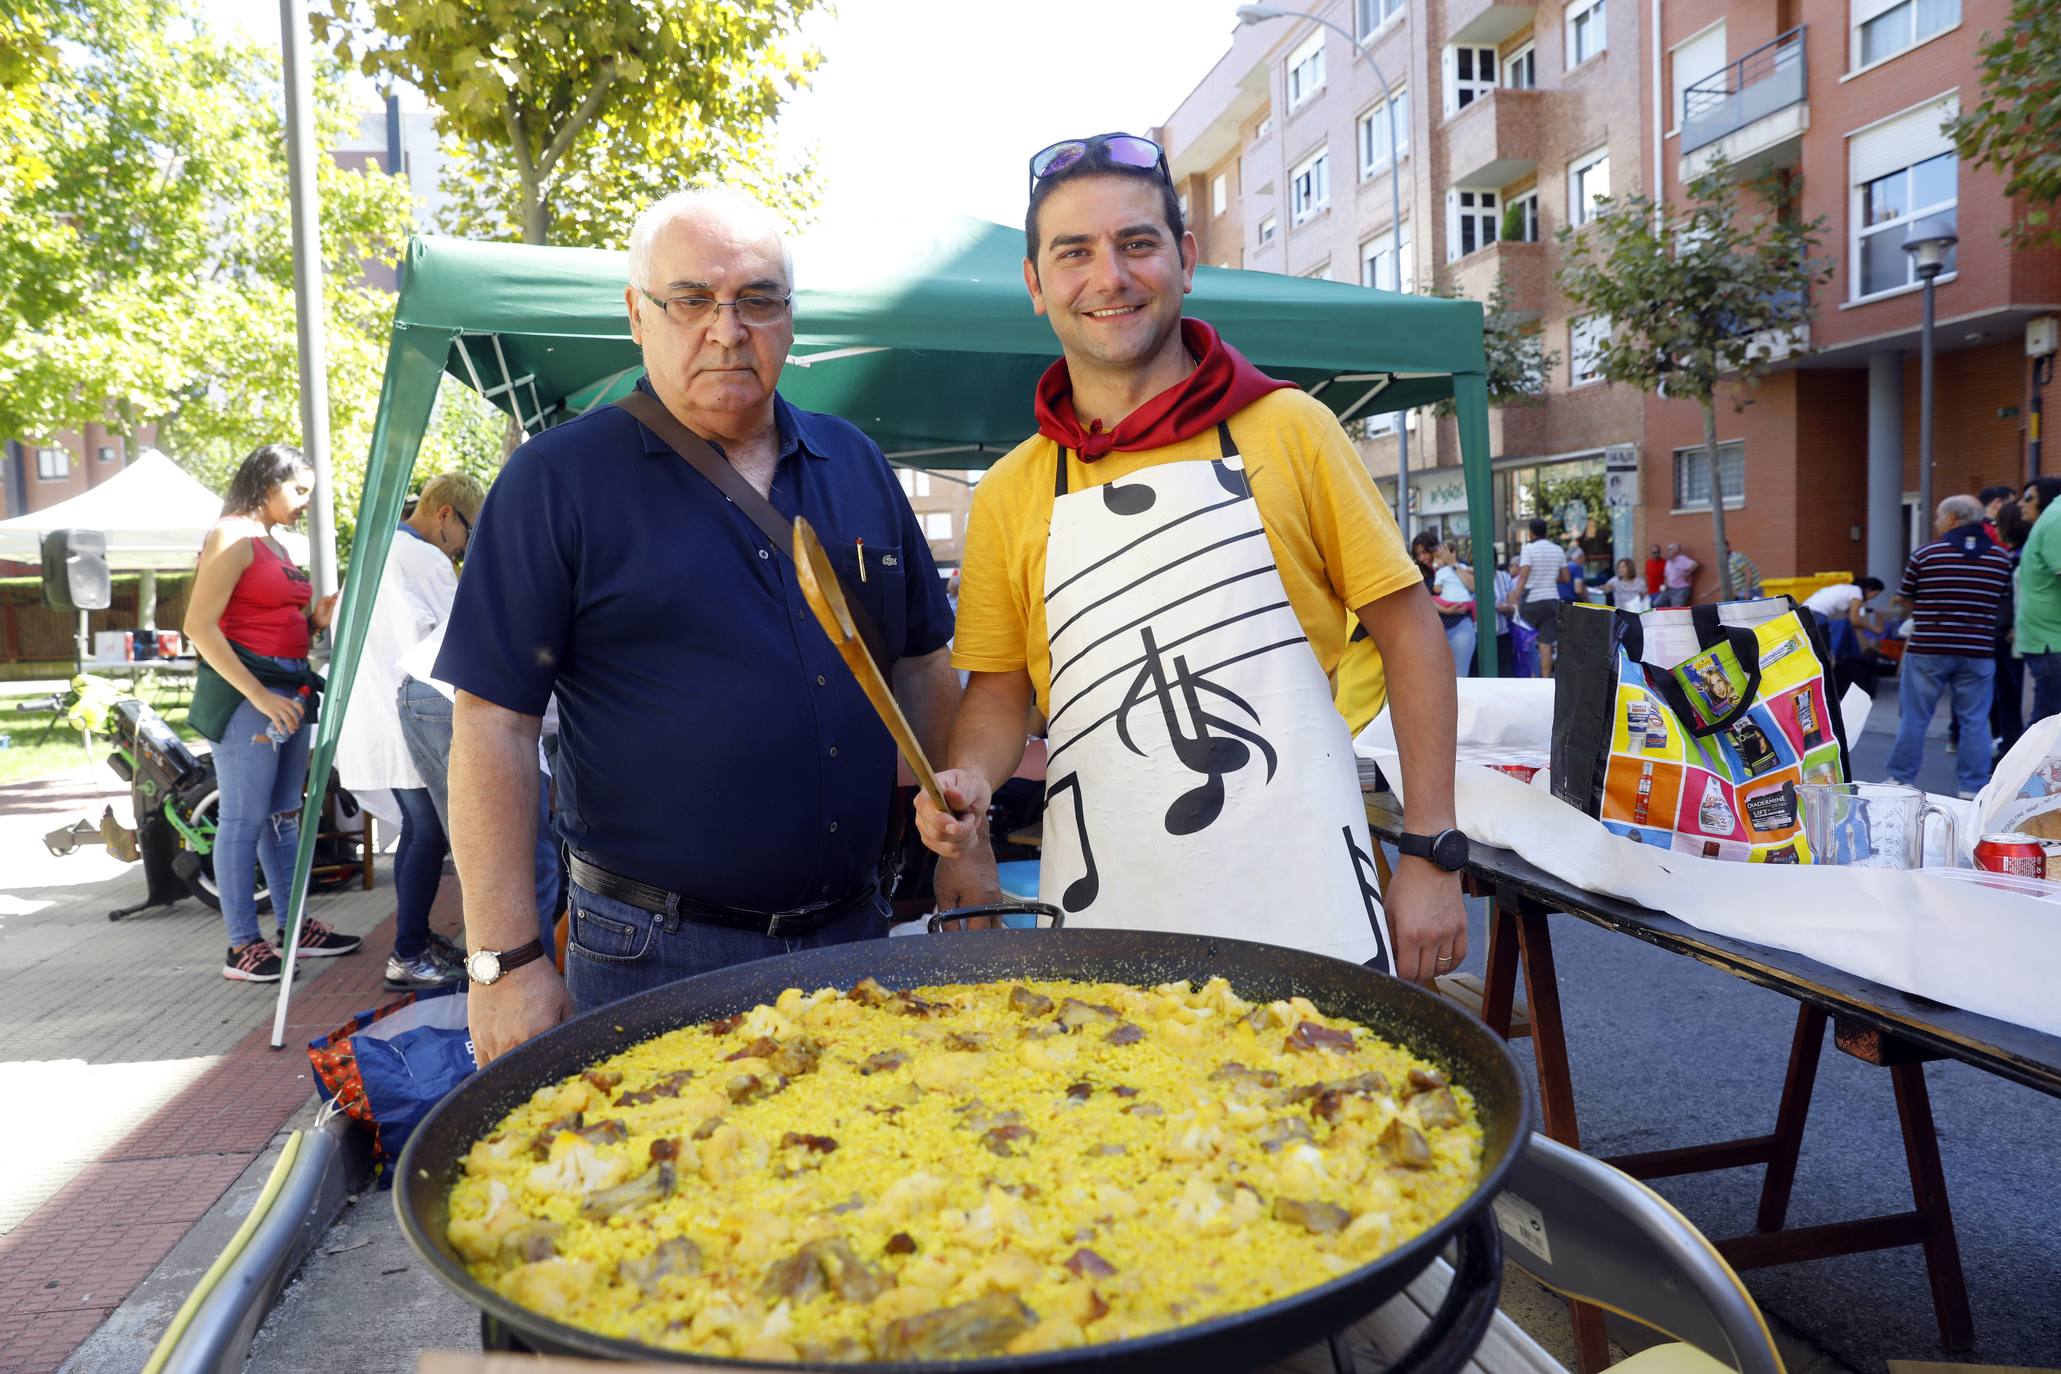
(887, 560)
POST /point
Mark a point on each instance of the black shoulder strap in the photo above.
(650, 412)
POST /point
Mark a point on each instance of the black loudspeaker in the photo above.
(75, 576)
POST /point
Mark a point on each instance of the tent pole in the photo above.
(1470, 397)
(307, 292)
(146, 600)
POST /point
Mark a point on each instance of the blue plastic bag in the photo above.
(1524, 648)
(389, 1066)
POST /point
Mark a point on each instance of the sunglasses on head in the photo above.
(1124, 150)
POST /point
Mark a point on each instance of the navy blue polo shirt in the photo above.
(711, 740)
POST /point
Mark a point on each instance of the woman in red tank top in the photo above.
(253, 612)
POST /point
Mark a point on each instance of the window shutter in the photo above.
(1451, 83)
(1701, 56)
(1864, 10)
(1901, 141)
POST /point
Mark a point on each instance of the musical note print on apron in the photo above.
(1194, 747)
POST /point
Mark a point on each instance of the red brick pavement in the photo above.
(73, 1262)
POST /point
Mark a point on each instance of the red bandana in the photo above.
(1222, 384)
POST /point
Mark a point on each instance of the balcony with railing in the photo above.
(1752, 112)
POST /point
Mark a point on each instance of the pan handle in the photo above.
(936, 923)
(1462, 1320)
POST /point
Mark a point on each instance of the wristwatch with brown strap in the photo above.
(486, 966)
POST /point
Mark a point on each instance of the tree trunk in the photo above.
(1723, 548)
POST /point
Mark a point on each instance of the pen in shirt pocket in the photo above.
(861, 545)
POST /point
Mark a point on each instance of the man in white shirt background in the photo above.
(1543, 566)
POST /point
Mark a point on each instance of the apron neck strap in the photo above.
(1225, 447)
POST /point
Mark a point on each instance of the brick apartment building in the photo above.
(1517, 115)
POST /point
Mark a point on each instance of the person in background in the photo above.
(1656, 573)
(1851, 630)
(251, 618)
(1952, 588)
(1994, 499)
(1452, 591)
(1544, 568)
(1627, 589)
(2036, 624)
(2007, 702)
(1680, 577)
(1746, 585)
(1506, 610)
(416, 588)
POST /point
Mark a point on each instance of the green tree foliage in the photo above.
(1699, 294)
(2017, 126)
(564, 117)
(145, 246)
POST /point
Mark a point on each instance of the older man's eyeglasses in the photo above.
(694, 310)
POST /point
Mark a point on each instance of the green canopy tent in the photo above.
(918, 332)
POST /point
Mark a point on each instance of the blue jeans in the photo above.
(418, 869)
(426, 728)
(1923, 679)
(2046, 685)
(257, 815)
(615, 950)
(1460, 639)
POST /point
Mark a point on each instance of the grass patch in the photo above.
(41, 745)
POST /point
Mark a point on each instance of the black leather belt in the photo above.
(800, 921)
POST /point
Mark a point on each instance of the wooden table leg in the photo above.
(1499, 983)
(1780, 1179)
(1928, 1191)
(1556, 1092)
(365, 850)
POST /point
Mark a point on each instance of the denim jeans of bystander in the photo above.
(1924, 678)
(257, 815)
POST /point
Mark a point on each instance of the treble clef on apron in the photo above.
(1199, 777)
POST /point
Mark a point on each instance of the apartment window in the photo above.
(1521, 69)
(937, 524)
(1309, 186)
(1378, 262)
(1692, 476)
(1471, 221)
(1700, 57)
(1319, 272)
(1263, 128)
(1470, 75)
(1267, 229)
(1370, 15)
(1306, 70)
(914, 482)
(1521, 218)
(1219, 194)
(1588, 181)
(53, 464)
(1904, 170)
(1585, 36)
(1374, 132)
(107, 453)
(1885, 28)
(1585, 349)
(1185, 216)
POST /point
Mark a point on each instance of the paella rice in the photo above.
(958, 1171)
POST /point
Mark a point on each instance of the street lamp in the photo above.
(1928, 243)
(1260, 14)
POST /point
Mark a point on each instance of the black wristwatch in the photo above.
(1447, 849)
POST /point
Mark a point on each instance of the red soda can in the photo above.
(2011, 852)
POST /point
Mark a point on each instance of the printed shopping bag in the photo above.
(1689, 727)
(389, 1066)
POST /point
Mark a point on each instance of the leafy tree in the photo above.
(564, 116)
(2017, 126)
(1698, 294)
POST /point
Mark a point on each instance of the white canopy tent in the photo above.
(154, 514)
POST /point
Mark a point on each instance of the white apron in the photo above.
(1199, 777)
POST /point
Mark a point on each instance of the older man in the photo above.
(1952, 590)
(723, 783)
(1679, 577)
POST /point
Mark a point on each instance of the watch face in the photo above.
(1449, 850)
(483, 966)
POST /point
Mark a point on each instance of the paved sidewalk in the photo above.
(153, 1074)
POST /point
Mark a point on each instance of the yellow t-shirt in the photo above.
(1333, 540)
